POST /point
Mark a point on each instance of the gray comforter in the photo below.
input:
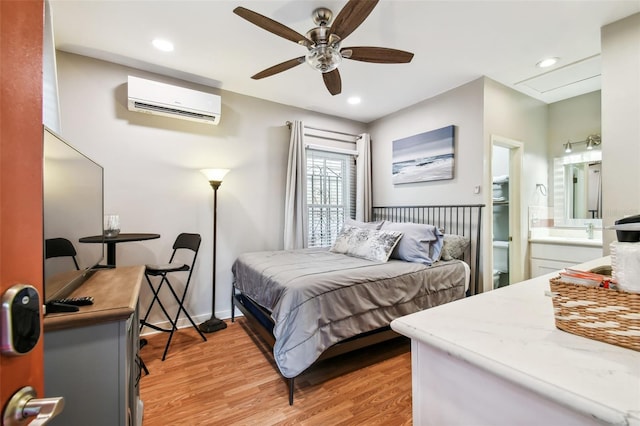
(318, 298)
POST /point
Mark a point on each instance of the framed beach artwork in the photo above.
(424, 157)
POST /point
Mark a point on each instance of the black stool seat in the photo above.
(183, 242)
(156, 270)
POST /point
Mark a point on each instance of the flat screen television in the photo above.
(72, 209)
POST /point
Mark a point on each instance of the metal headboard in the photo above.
(464, 219)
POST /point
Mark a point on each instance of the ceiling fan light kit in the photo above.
(324, 58)
(323, 42)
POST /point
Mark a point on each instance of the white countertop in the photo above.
(511, 333)
(568, 241)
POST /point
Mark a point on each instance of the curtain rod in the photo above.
(328, 138)
(288, 123)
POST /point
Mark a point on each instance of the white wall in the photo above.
(620, 122)
(152, 177)
(520, 119)
(513, 115)
(461, 107)
(573, 119)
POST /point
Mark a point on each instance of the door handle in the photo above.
(24, 408)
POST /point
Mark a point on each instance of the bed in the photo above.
(316, 303)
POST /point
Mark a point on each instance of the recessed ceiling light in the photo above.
(354, 100)
(164, 45)
(547, 62)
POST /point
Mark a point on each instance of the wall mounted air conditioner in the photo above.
(157, 98)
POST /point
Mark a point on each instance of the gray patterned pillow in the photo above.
(454, 246)
(370, 244)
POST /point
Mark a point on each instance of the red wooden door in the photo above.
(21, 33)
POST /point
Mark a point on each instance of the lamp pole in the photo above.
(213, 323)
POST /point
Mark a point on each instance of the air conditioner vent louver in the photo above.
(158, 98)
(158, 108)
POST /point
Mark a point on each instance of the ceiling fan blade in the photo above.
(279, 68)
(351, 16)
(333, 82)
(270, 25)
(379, 55)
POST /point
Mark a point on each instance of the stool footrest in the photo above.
(155, 327)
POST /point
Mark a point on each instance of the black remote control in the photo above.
(75, 301)
(55, 307)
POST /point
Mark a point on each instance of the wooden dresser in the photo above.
(91, 356)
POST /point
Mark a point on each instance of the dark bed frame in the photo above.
(453, 219)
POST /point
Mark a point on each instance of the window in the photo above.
(331, 187)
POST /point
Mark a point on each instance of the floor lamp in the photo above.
(215, 177)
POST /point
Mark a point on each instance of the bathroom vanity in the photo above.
(552, 253)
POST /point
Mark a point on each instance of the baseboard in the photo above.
(184, 323)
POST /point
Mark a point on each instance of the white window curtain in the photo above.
(295, 208)
(364, 203)
(50, 103)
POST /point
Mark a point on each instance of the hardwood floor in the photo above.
(231, 380)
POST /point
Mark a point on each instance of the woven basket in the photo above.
(603, 314)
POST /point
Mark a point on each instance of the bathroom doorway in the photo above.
(506, 167)
(501, 200)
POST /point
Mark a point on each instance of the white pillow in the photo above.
(370, 244)
(420, 243)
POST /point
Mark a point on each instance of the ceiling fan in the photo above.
(323, 42)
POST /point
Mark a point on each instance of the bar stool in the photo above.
(60, 247)
(184, 241)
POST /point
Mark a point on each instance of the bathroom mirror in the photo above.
(578, 189)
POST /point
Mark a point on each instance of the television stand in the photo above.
(91, 355)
